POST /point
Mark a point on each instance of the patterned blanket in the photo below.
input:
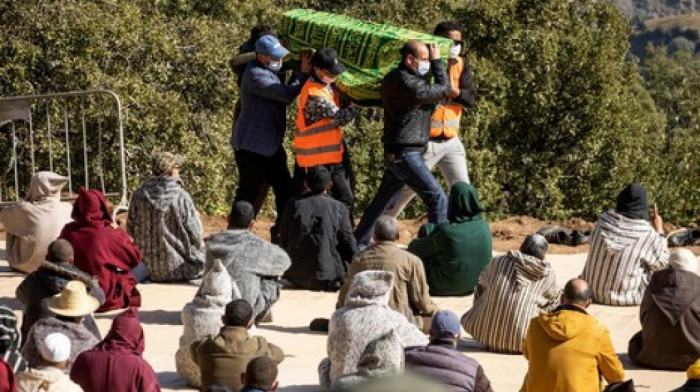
(368, 50)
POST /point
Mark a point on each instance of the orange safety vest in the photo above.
(321, 142)
(445, 120)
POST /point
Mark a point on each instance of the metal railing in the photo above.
(34, 112)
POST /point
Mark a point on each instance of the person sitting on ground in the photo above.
(50, 279)
(383, 357)
(255, 265)
(365, 316)
(454, 253)
(260, 375)
(513, 289)
(224, 357)
(11, 341)
(625, 250)
(670, 317)
(165, 224)
(8, 382)
(202, 317)
(693, 383)
(50, 375)
(441, 361)
(103, 251)
(317, 234)
(116, 364)
(568, 350)
(70, 307)
(409, 294)
(33, 223)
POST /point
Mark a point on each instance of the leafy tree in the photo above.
(568, 122)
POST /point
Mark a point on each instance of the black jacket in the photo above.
(409, 101)
(315, 231)
(48, 281)
(442, 362)
(466, 87)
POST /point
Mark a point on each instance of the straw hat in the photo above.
(73, 301)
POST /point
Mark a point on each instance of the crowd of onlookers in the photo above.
(80, 263)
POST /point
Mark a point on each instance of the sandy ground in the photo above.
(160, 316)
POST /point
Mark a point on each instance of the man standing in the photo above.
(260, 127)
(568, 350)
(318, 140)
(444, 147)
(408, 100)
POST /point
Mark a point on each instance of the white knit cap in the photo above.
(684, 260)
(55, 348)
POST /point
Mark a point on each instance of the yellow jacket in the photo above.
(567, 351)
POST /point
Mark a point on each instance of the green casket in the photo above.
(369, 50)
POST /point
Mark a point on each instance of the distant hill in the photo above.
(678, 32)
(641, 10)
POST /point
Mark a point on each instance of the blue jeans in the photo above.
(407, 169)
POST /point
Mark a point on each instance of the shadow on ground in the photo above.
(299, 388)
(11, 303)
(304, 329)
(156, 317)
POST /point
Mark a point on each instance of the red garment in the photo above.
(116, 364)
(103, 251)
(7, 378)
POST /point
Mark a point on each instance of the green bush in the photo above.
(563, 119)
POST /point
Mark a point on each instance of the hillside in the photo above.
(641, 10)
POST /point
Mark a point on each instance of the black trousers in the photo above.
(255, 170)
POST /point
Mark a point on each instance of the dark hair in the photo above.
(535, 245)
(261, 373)
(238, 313)
(443, 28)
(60, 251)
(411, 47)
(258, 31)
(241, 215)
(577, 291)
(219, 388)
(318, 179)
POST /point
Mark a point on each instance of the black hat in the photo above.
(327, 60)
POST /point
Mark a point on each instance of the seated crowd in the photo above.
(385, 327)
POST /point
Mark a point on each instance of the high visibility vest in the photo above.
(320, 143)
(445, 120)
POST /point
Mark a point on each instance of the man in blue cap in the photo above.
(260, 128)
(441, 361)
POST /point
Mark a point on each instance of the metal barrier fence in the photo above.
(36, 144)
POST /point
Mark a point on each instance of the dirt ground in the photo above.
(507, 234)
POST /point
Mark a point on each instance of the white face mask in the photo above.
(275, 67)
(456, 50)
(423, 68)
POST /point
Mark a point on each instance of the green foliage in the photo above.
(673, 82)
(562, 120)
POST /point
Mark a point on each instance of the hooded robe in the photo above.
(103, 251)
(116, 364)
(454, 253)
(32, 224)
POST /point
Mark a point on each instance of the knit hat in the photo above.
(162, 162)
(55, 347)
(694, 371)
(684, 260)
(73, 301)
